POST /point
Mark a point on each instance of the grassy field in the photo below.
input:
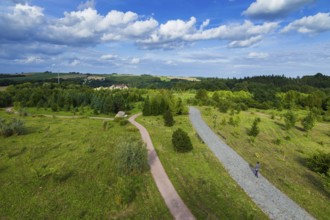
(199, 178)
(66, 169)
(81, 111)
(282, 154)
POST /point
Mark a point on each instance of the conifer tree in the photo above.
(254, 131)
(146, 107)
(181, 141)
(168, 118)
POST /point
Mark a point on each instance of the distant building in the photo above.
(121, 114)
(119, 86)
(113, 87)
(100, 78)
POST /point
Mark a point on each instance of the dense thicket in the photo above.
(161, 102)
(69, 97)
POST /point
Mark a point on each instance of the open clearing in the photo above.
(66, 169)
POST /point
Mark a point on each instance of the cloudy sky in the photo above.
(218, 38)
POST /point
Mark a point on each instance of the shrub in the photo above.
(277, 141)
(123, 122)
(105, 125)
(234, 121)
(16, 126)
(308, 122)
(290, 120)
(132, 158)
(320, 163)
(181, 141)
(254, 131)
(168, 118)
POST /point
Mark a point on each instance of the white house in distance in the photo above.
(119, 86)
(113, 87)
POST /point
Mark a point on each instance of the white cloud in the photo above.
(74, 62)
(310, 24)
(88, 28)
(30, 59)
(87, 4)
(245, 43)
(177, 33)
(108, 57)
(19, 22)
(258, 55)
(135, 61)
(269, 9)
(140, 28)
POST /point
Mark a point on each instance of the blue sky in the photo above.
(216, 38)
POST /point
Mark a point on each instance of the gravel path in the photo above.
(271, 200)
(173, 201)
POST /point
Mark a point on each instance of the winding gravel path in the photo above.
(271, 200)
(172, 199)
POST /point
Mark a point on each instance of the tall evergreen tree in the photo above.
(168, 118)
(146, 107)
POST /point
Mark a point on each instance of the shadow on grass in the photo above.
(282, 126)
(3, 168)
(316, 182)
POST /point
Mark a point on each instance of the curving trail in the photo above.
(173, 201)
(271, 200)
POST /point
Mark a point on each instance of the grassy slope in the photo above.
(65, 169)
(284, 162)
(201, 181)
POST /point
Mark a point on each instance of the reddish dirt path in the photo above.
(173, 201)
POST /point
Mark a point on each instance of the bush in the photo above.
(320, 163)
(132, 158)
(308, 122)
(168, 118)
(16, 126)
(290, 120)
(254, 131)
(181, 141)
(123, 122)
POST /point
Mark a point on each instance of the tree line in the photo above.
(69, 97)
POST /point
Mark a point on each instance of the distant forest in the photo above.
(268, 82)
(77, 90)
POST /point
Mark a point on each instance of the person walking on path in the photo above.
(256, 169)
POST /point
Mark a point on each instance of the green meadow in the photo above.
(67, 169)
(282, 153)
(201, 181)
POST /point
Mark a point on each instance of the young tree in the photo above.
(254, 131)
(168, 118)
(308, 122)
(181, 141)
(320, 163)
(201, 95)
(290, 120)
(146, 107)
